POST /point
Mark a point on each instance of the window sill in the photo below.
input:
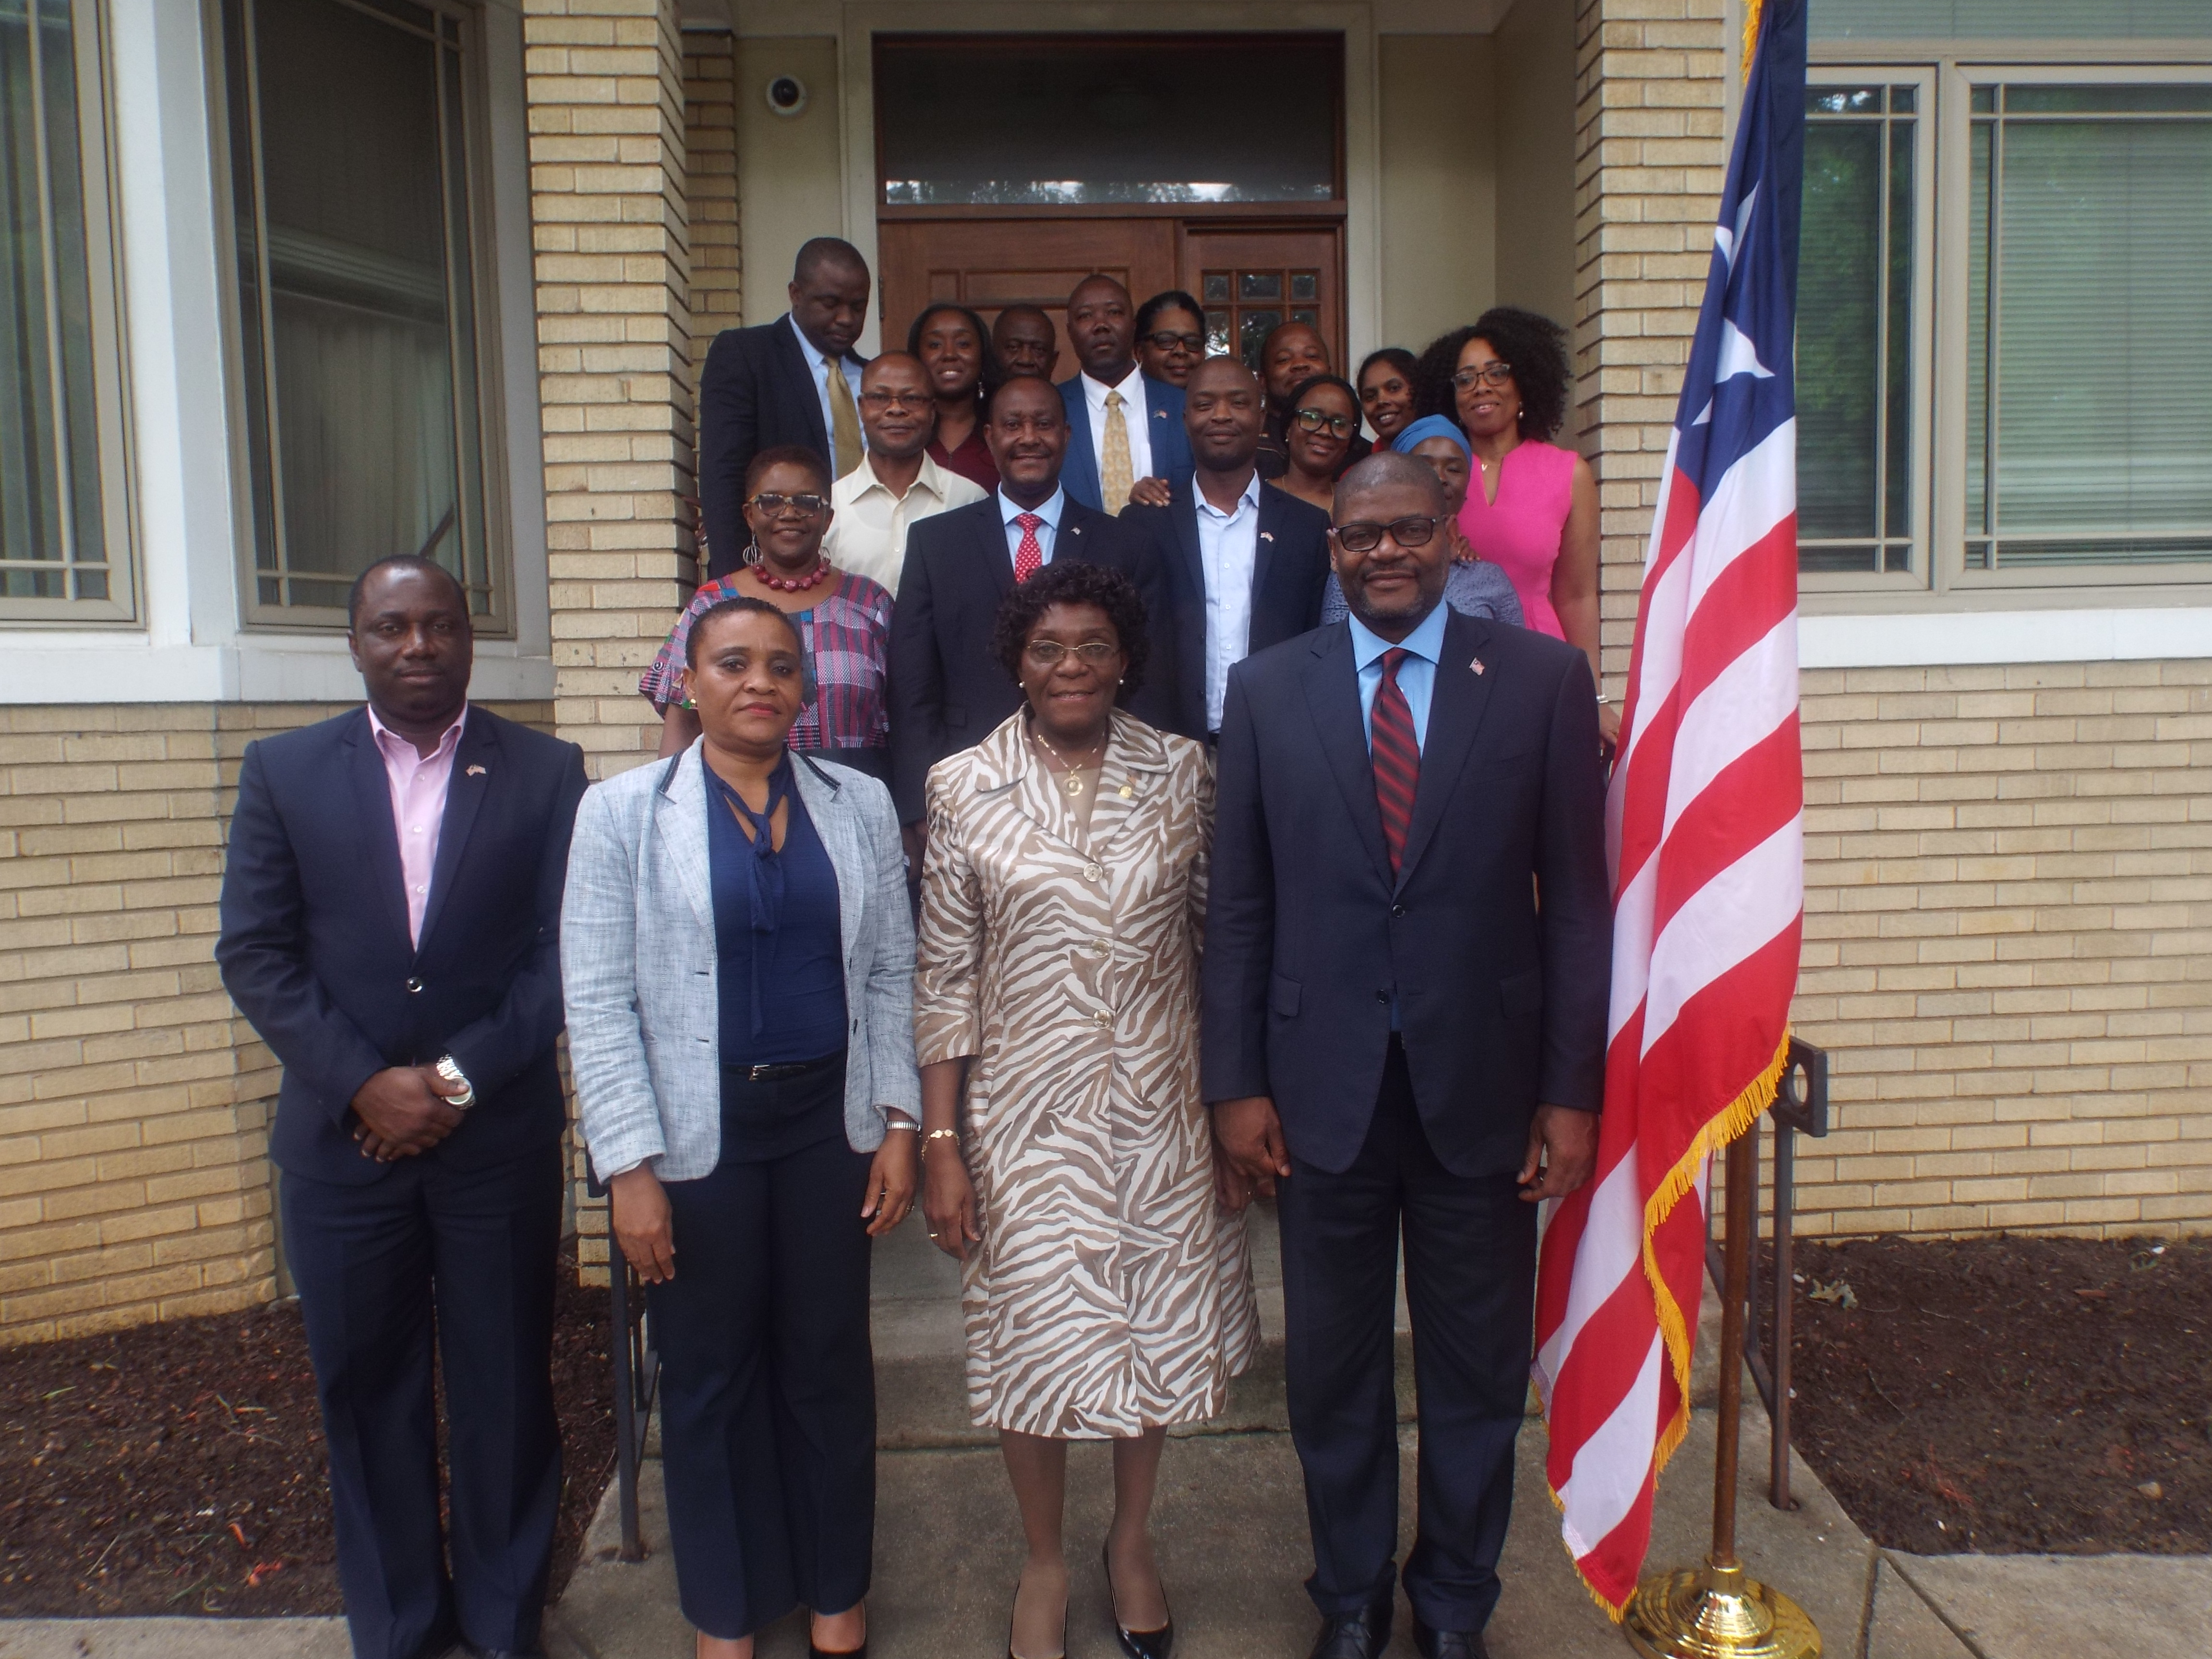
(54, 668)
(1925, 638)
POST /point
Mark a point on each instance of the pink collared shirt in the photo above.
(419, 807)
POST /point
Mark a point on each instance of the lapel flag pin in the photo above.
(1266, 535)
(474, 772)
(1476, 665)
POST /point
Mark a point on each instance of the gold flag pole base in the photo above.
(1716, 1613)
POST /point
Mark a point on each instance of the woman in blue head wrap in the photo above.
(1471, 586)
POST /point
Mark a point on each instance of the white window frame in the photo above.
(1920, 393)
(89, 30)
(1851, 620)
(499, 523)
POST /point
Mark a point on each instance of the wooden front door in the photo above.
(1264, 273)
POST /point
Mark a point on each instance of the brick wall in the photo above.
(605, 89)
(1649, 160)
(2009, 947)
(134, 1102)
(710, 153)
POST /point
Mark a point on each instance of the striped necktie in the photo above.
(1396, 757)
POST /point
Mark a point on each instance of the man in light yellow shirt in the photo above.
(896, 484)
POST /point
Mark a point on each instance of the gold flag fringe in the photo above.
(1724, 1127)
(1751, 11)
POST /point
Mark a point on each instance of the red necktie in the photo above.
(1028, 557)
(1396, 756)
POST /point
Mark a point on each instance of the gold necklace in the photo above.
(1070, 779)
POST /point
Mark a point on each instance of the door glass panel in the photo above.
(1259, 285)
(1077, 119)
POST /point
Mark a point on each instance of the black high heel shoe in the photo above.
(813, 1652)
(1010, 1653)
(1136, 1644)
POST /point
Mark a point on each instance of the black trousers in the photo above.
(1470, 1287)
(767, 1390)
(469, 1254)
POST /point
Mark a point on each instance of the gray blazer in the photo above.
(638, 964)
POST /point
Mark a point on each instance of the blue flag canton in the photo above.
(1740, 385)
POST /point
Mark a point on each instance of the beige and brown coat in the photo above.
(1110, 1293)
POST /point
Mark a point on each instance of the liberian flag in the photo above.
(1704, 832)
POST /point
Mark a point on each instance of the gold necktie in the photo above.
(844, 421)
(1115, 474)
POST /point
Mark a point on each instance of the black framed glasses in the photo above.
(1495, 372)
(1364, 536)
(807, 507)
(1048, 653)
(1167, 339)
(1339, 426)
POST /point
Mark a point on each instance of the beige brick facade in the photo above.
(134, 1102)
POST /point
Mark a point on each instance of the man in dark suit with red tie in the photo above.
(1399, 1040)
(390, 925)
(795, 380)
(948, 687)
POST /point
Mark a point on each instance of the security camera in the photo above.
(786, 94)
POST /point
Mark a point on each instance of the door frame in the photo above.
(863, 19)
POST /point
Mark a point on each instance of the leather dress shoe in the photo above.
(503, 1653)
(1361, 1635)
(813, 1652)
(1448, 1644)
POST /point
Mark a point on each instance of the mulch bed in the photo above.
(2011, 1394)
(179, 1468)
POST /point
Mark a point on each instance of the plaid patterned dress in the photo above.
(847, 634)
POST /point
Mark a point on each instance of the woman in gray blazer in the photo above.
(738, 957)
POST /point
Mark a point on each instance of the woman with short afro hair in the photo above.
(1067, 1155)
(1531, 505)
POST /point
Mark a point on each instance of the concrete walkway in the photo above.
(1231, 1526)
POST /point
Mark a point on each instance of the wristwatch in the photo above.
(452, 1073)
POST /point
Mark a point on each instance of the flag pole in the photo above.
(1719, 1610)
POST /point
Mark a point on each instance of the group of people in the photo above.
(1081, 809)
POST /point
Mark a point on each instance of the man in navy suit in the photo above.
(390, 925)
(772, 384)
(1398, 1038)
(948, 688)
(1245, 562)
(1123, 426)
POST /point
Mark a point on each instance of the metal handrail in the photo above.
(1801, 1107)
(637, 1379)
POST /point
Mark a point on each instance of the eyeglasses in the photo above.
(1340, 426)
(1046, 653)
(1168, 340)
(807, 507)
(1364, 536)
(880, 400)
(1495, 372)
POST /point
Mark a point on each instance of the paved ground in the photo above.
(1232, 1535)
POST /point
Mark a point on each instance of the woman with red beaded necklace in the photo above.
(844, 620)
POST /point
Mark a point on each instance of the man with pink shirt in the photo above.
(390, 925)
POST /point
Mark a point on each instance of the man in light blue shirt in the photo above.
(1417, 674)
(1228, 547)
(818, 362)
(1046, 530)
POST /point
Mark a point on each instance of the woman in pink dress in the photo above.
(1531, 505)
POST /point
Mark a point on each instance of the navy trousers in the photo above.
(1470, 1287)
(468, 1255)
(768, 1388)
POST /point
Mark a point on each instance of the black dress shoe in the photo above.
(1448, 1644)
(1137, 1644)
(813, 1652)
(1361, 1635)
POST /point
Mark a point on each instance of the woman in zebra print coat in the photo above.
(1107, 1294)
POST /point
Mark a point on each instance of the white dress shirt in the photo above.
(820, 366)
(1046, 533)
(868, 534)
(1229, 549)
(1136, 415)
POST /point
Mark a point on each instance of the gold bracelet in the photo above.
(938, 1134)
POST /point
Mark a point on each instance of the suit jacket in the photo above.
(948, 688)
(1078, 473)
(640, 962)
(755, 392)
(1502, 1002)
(1290, 569)
(314, 948)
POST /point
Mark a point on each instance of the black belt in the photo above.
(785, 1073)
